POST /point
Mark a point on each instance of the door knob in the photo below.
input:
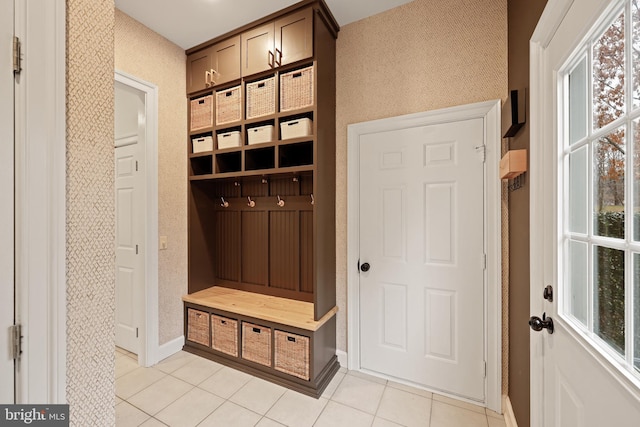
(365, 267)
(538, 324)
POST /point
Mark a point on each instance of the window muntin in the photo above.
(600, 158)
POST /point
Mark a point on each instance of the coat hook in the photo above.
(280, 202)
(264, 181)
(224, 203)
(295, 179)
(251, 203)
(313, 201)
(236, 183)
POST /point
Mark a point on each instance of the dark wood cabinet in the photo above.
(215, 65)
(262, 201)
(281, 42)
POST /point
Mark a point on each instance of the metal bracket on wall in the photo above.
(517, 182)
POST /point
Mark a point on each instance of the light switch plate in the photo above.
(163, 242)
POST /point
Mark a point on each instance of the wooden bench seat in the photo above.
(298, 314)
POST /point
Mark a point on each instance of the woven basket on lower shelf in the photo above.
(292, 354)
(224, 335)
(256, 343)
(198, 326)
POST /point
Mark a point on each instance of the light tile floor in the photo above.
(186, 390)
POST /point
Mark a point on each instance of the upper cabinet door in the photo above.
(294, 37)
(199, 70)
(225, 61)
(257, 49)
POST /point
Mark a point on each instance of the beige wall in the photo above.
(90, 231)
(425, 55)
(146, 55)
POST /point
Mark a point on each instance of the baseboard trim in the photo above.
(507, 409)
(172, 347)
(342, 358)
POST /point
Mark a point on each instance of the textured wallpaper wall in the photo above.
(424, 55)
(90, 214)
(145, 54)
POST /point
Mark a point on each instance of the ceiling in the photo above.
(188, 23)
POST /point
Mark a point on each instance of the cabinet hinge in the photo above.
(17, 56)
(136, 249)
(136, 332)
(136, 166)
(16, 341)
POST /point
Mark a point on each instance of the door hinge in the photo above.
(485, 369)
(136, 249)
(484, 261)
(136, 166)
(16, 341)
(17, 56)
(136, 332)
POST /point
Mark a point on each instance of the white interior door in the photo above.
(583, 375)
(7, 203)
(422, 237)
(130, 278)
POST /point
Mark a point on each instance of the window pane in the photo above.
(608, 75)
(578, 102)
(635, 19)
(636, 310)
(608, 175)
(578, 192)
(578, 281)
(609, 321)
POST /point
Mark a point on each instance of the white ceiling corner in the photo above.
(188, 23)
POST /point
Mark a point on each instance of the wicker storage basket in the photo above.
(202, 112)
(224, 335)
(292, 354)
(228, 105)
(261, 98)
(256, 343)
(198, 326)
(296, 89)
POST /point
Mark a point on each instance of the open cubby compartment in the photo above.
(295, 154)
(228, 162)
(259, 158)
(229, 138)
(296, 126)
(201, 165)
(260, 132)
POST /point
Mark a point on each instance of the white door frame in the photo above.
(41, 202)
(146, 297)
(490, 112)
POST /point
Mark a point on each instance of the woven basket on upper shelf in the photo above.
(261, 98)
(296, 89)
(202, 112)
(292, 354)
(198, 326)
(256, 343)
(224, 335)
(228, 105)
